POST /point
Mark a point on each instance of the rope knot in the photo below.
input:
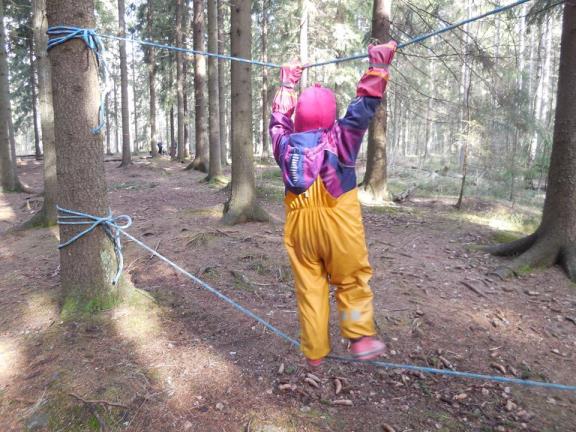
(62, 34)
(112, 226)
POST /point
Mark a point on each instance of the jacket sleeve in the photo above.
(281, 125)
(353, 126)
(369, 94)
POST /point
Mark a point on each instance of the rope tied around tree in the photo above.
(113, 226)
(63, 34)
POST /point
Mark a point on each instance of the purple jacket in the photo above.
(328, 153)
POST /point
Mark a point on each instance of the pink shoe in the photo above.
(367, 348)
(313, 364)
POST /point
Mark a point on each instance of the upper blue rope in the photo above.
(62, 34)
(111, 224)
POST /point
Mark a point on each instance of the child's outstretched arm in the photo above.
(283, 106)
(369, 94)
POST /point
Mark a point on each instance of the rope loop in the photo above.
(63, 34)
(112, 226)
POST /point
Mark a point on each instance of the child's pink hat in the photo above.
(316, 109)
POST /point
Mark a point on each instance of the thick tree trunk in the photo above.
(88, 265)
(152, 83)
(222, 86)
(9, 181)
(265, 106)
(374, 188)
(200, 161)
(46, 216)
(555, 239)
(215, 167)
(243, 205)
(37, 150)
(126, 155)
(180, 79)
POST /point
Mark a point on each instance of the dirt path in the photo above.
(186, 361)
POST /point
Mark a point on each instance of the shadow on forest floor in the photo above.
(181, 360)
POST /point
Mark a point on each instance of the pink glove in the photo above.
(290, 74)
(374, 81)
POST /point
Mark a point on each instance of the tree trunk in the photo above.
(152, 85)
(116, 126)
(200, 161)
(135, 100)
(304, 7)
(555, 239)
(46, 216)
(222, 86)
(242, 205)
(187, 142)
(88, 265)
(374, 187)
(37, 150)
(215, 167)
(173, 145)
(126, 155)
(265, 106)
(152, 82)
(180, 78)
(108, 131)
(9, 181)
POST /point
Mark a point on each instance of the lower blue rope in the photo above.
(62, 34)
(111, 225)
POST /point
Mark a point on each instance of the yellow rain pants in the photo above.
(324, 237)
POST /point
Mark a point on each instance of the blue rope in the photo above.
(62, 34)
(114, 229)
(426, 35)
(328, 62)
(191, 51)
(112, 226)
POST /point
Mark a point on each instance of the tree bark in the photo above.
(116, 126)
(264, 92)
(374, 187)
(46, 216)
(9, 181)
(37, 150)
(215, 167)
(88, 265)
(180, 78)
(304, 16)
(222, 86)
(152, 83)
(200, 161)
(173, 144)
(126, 155)
(108, 130)
(243, 204)
(135, 100)
(555, 239)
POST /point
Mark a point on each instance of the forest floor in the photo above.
(175, 358)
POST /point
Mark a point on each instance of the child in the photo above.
(324, 234)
